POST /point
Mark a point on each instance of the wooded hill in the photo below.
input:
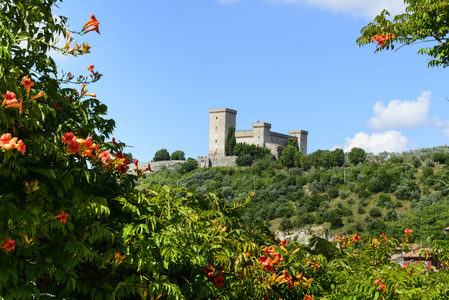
(384, 194)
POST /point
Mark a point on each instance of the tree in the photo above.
(306, 162)
(190, 165)
(440, 157)
(423, 21)
(230, 141)
(287, 157)
(357, 155)
(245, 160)
(297, 158)
(293, 142)
(61, 222)
(338, 158)
(416, 162)
(178, 155)
(256, 152)
(161, 155)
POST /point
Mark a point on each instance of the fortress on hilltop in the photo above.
(221, 119)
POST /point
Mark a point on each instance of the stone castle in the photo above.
(220, 119)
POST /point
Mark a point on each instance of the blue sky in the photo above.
(294, 64)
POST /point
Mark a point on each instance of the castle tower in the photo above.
(219, 121)
(261, 133)
(301, 135)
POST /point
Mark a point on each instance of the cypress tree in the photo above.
(230, 141)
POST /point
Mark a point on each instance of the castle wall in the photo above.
(223, 161)
(244, 136)
(275, 149)
(217, 161)
(156, 165)
(279, 138)
(203, 162)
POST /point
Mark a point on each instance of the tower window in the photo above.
(216, 127)
(216, 118)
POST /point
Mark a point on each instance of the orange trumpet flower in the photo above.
(38, 95)
(407, 232)
(18, 105)
(9, 98)
(27, 83)
(93, 23)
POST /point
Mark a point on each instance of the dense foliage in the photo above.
(241, 149)
(386, 193)
(73, 225)
(423, 21)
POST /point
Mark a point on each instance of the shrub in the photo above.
(364, 194)
(245, 160)
(316, 187)
(333, 193)
(309, 219)
(336, 222)
(360, 210)
(286, 224)
(391, 215)
(383, 199)
(428, 171)
(375, 212)
(343, 194)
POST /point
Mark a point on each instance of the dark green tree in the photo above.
(416, 162)
(190, 165)
(245, 160)
(230, 141)
(241, 149)
(337, 158)
(440, 157)
(356, 156)
(293, 142)
(178, 155)
(287, 157)
(306, 162)
(297, 158)
(161, 155)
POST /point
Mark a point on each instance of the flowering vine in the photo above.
(382, 38)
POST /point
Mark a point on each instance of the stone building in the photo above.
(221, 119)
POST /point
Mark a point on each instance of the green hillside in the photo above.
(384, 194)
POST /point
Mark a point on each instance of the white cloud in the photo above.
(365, 8)
(401, 114)
(390, 141)
(444, 125)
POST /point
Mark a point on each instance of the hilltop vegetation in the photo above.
(384, 194)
